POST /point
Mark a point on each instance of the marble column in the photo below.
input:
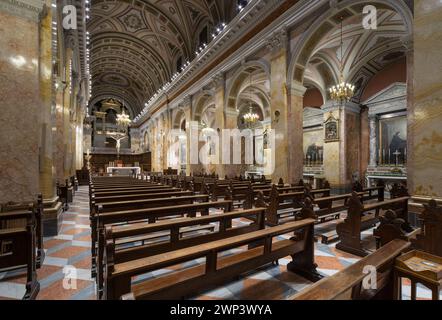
(295, 132)
(278, 102)
(231, 122)
(425, 114)
(372, 119)
(219, 83)
(20, 122)
(187, 106)
(47, 185)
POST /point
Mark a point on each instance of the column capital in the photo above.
(232, 112)
(278, 40)
(297, 89)
(352, 107)
(187, 101)
(28, 9)
(218, 79)
(331, 105)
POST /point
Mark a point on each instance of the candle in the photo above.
(88, 151)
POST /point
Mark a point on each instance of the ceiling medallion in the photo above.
(133, 21)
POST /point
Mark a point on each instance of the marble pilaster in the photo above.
(373, 140)
(295, 132)
(341, 157)
(219, 83)
(278, 101)
(425, 114)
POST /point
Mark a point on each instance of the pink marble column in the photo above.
(20, 122)
(425, 114)
(278, 102)
(295, 132)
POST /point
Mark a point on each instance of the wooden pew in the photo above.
(175, 230)
(348, 283)
(126, 191)
(140, 195)
(242, 194)
(331, 206)
(19, 209)
(377, 192)
(147, 203)
(18, 247)
(217, 269)
(100, 219)
(360, 217)
(65, 192)
(428, 238)
(281, 205)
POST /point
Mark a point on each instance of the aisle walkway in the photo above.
(71, 248)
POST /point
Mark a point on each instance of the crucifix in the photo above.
(397, 153)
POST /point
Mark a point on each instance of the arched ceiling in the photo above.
(365, 52)
(135, 44)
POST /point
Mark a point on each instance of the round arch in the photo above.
(301, 53)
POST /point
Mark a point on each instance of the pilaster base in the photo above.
(52, 211)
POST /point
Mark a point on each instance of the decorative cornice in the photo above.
(28, 9)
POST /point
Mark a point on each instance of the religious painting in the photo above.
(331, 129)
(393, 140)
(313, 146)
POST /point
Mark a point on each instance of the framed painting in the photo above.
(331, 129)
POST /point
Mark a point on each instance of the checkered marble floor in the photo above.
(71, 248)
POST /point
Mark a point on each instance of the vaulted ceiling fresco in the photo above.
(137, 45)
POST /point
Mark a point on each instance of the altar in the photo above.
(123, 171)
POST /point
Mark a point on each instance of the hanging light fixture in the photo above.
(123, 120)
(343, 91)
(251, 117)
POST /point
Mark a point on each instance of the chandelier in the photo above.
(123, 120)
(250, 117)
(343, 91)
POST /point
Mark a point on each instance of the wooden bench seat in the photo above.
(175, 231)
(18, 247)
(428, 238)
(140, 196)
(280, 204)
(347, 284)
(147, 203)
(217, 269)
(361, 217)
(99, 220)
